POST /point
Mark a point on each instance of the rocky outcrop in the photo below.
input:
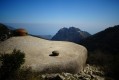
(20, 32)
(70, 34)
(72, 57)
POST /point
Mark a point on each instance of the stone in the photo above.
(54, 53)
(71, 59)
(53, 77)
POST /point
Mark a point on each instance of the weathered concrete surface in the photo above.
(72, 57)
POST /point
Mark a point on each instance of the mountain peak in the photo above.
(74, 29)
(63, 29)
(72, 34)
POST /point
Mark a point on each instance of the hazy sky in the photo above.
(48, 16)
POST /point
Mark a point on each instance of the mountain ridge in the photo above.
(106, 40)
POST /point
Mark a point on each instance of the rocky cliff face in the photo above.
(70, 34)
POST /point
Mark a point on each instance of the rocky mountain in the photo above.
(70, 34)
(106, 40)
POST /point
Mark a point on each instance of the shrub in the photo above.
(26, 73)
(10, 63)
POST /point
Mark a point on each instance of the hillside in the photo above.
(103, 49)
(106, 40)
(70, 34)
(2, 27)
(5, 32)
(71, 57)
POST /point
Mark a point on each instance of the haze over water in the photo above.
(48, 16)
